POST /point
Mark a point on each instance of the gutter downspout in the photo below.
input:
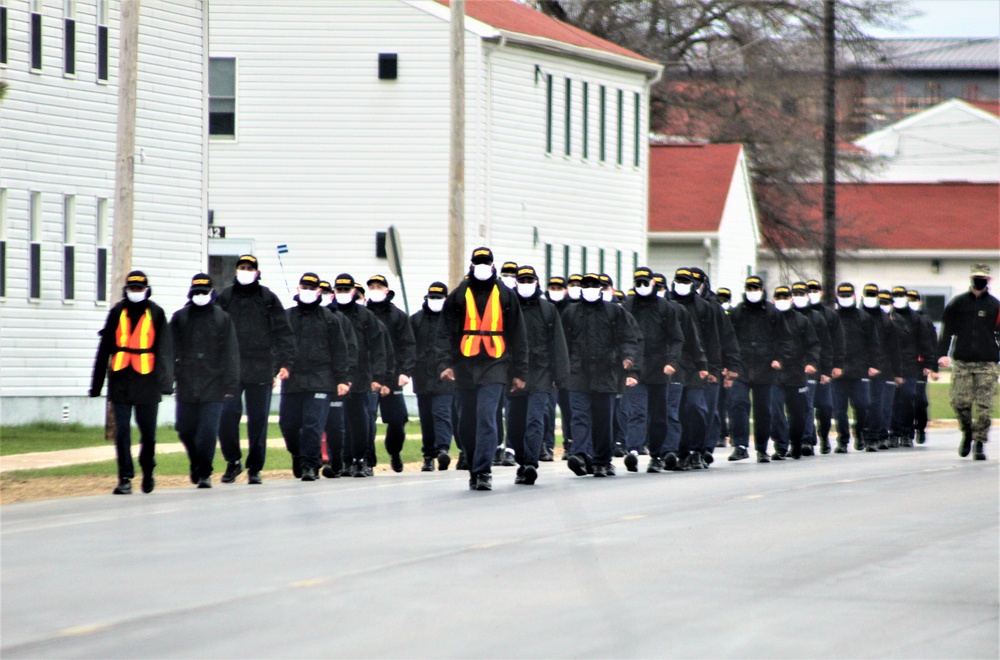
(485, 229)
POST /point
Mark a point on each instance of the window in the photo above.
(36, 35)
(3, 34)
(69, 37)
(569, 117)
(69, 247)
(102, 40)
(222, 96)
(548, 113)
(102, 250)
(586, 120)
(621, 116)
(35, 247)
(638, 129)
(3, 242)
(602, 130)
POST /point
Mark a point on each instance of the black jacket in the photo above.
(974, 323)
(370, 358)
(825, 364)
(836, 332)
(888, 341)
(262, 330)
(913, 342)
(128, 385)
(730, 344)
(548, 357)
(599, 338)
(803, 348)
(477, 370)
(206, 353)
(704, 316)
(930, 341)
(758, 330)
(322, 359)
(693, 357)
(426, 377)
(862, 337)
(397, 323)
(662, 336)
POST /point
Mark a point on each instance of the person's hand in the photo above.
(669, 370)
(230, 396)
(404, 380)
(810, 369)
(282, 373)
(899, 381)
(343, 389)
(703, 374)
(775, 365)
(448, 375)
(728, 383)
(627, 364)
(518, 385)
(944, 361)
(94, 394)
(385, 391)
(837, 372)
(872, 372)
(376, 387)
(631, 382)
(712, 379)
(824, 380)
(927, 372)
(731, 376)
(934, 376)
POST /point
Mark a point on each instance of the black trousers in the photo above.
(357, 425)
(336, 431)
(395, 417)
(258, 407)
(145, 419)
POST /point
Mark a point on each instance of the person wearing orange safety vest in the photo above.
(482, 346)
(135, 352)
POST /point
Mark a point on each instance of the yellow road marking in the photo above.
(80, 631)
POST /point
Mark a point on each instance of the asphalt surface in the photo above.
(887, 555)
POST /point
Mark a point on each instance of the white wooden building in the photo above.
(331, 123)
(702, 211)
(57, 170)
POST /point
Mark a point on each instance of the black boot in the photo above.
(978, 454)
(428, 465)
(462, 463)
(124, 487)
(233, 470)
(841, 447)
(824, 445)
(921, 437)
(966, 446)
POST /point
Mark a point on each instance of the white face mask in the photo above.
(359, 301)
(136, 296)
(915, 305)
(508, 281)
(482, 272)
(870, 302)
(308, 296)
(557, 296)
(783, 305)
(899, 303)
(815, 297)
(246, 277)
(526, 289)
(643, 289)
(435, 304)
(590, 294)
(754, 296)
(662, 293)
(607, 296)
(886, 308)
(800, 302)
(343, 298)
(377, 295)
(682, 288)
(201, 299)
(846, 302)
(574, 292)
(727, 306)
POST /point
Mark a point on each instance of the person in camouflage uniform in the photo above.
(973, 319)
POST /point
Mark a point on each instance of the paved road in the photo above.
(894, 554)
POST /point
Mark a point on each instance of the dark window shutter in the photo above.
(102, 274)
(69, 272)
(36, 41)
(102, 52)
(69, 45)
(35, 275)
(387, 66)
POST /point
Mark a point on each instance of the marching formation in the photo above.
(667, 371)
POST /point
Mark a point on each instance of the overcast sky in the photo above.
(951, 18)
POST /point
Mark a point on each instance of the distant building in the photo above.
(702, 211)
(57, 187)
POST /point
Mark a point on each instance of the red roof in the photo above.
(688, 185)
(514, 17)
(912, 216)
(993, 107)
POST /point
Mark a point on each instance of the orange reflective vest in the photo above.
(135, 347)
(486, 330)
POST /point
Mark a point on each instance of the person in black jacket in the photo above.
(972, 319)
(548, 365)
(265, 343)
(557, 295)
(915, 350)
(833, 368)
(602, 349)
(860, 367)
(136, 354)
(799, 334)
(759, 330)
(662, 345)
(207, 369)
(435, 397)
(801, 304)
(322, 365)
(891, 367)
(731, 347)
(929, 365)
(393, 406)
(482, 347)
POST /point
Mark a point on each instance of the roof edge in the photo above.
(652, 70)
(681, 236)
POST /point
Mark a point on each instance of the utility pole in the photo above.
(829, 151)
(121, 248)
(456, 166)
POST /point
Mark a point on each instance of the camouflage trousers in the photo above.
(973, 386)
